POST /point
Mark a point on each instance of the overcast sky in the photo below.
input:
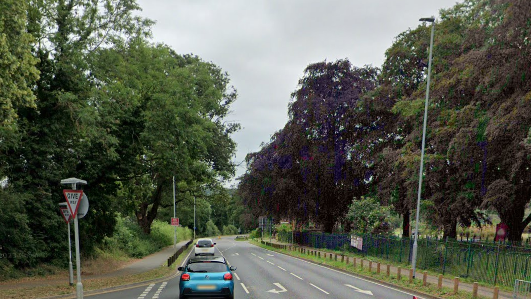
(265, 45)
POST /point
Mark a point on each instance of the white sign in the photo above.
(83, 206)
(66, 213)
(73, 198)
(356, 242)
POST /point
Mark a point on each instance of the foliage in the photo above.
(211, 229)
(368, 216)
(283, 228)
(255, 234)
(230, 230)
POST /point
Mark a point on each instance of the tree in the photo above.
(368, 216)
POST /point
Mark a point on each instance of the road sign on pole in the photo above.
(73, 198)
(175, 221)
(65, 211)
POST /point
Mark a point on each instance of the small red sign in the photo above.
(501, 232)
(175, 221)
(66, 213)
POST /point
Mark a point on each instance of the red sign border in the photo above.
(73, 214)
(62, 213)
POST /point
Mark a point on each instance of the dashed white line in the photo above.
(281, 268)
(319, 289)
(260, 257)
(157, 293)
(237, 277)
(271, 263)
(146, 291)
(296, 276)
(244, 288)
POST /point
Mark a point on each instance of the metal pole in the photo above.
(175, 227)
(414, 257)
(79, 286)
(194, 217)
(70, 268)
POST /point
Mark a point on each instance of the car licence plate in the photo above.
(206, 287)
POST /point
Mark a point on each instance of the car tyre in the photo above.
(230, 296)
(182, 296)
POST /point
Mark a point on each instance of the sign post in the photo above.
(73, 198)
(66, 215)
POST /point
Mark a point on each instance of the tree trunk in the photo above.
(144, 216)
(450, 230)
(405, 224)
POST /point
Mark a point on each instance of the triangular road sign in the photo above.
(66, 213)
(73, 198)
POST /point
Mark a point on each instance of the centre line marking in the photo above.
(281, 268)
(260, 257)
(236, 276)
(296, 276)
(319, 289)
(271, 263)
(244, 288)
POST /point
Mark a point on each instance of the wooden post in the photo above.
(456, 285)
(319, 254)
(475, 290)
(378, 268)
(346, 260)
(354, 262)
(342, 258)
(439, 283)
(331, 256)
(495, 294)
(388, 270)
(335, 257)
(361, 263)
(398, 273)
(424, 278)
(370, 266)
(410, 275)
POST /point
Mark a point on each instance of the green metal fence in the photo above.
(497, 264)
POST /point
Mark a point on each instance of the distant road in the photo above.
(266, 274)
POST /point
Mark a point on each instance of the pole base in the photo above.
(79, 290)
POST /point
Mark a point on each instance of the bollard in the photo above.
(342, 258)
(346, 261)
(456, 285)
(335, 257)
(319, 254)
(439, 284)
(398, 273)
(331, 256)
(424, 278)
(354, 262)
(378, 268)
(495, 294)
(475, 290)
(370, 266)
(388, 270)
(410, 275)
(361, 263)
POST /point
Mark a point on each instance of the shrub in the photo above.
(230, 230)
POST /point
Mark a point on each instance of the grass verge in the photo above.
(403, 283)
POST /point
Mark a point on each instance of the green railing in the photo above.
(497, 264)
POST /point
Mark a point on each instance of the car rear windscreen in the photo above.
(207, 267)
(204, 243)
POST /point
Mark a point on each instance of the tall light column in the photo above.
(175, 227)
(415, 243)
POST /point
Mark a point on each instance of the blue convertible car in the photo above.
(206, 276)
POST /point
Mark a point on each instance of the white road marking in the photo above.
(282, 268)
(260, 257)
(282, 289)
(157, 293)
(271, 263)
(237, 277)
(359, 290)
(146, 291)
(296, 276)
(270, 254)
(244, 288)
(353, 276)
(319, 289)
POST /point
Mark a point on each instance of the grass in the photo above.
(416, 286)
(92, 284)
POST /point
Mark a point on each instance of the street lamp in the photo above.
(414, 257)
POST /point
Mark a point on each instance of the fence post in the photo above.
(496, 265)
(456, 285)
(495, 294)
(468, 258)
(400, 255)
(398, 273)
(424, 278)
(475, 290)
(439, 283)
(445, 255)
(410, 275)
(378, 268)
(388, 270)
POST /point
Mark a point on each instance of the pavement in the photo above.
(487, 292)
(145, 264)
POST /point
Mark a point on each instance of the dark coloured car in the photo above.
(206, 276)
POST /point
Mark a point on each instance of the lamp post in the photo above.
(194, 217)
(175, 227)
(415, 243)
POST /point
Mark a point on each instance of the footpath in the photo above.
(146, 264)
(404, 274)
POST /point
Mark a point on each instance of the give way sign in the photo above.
(73, 198)
(66, 213)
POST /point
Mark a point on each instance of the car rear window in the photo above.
(207, 267)
(204, 243)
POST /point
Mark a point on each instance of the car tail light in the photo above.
(227, 276)
(212, 245)
(185, 276)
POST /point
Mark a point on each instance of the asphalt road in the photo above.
(265, 274)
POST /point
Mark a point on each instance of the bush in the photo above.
(255, 234)
(212, 229)
(230, 230)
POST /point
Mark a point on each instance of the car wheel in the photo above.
(182, 296)
(230, 296)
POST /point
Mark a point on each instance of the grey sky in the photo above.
(265, 45)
